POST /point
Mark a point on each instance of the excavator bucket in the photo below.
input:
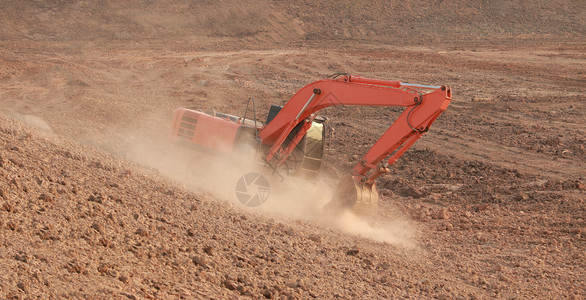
(359, 198)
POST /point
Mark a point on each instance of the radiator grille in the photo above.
(187, 127)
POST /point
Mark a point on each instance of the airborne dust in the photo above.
(290, 199)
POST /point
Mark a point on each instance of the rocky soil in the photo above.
(95, 203)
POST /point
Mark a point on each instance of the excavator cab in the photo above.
(306, 158)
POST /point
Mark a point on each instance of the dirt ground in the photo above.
(95, 203)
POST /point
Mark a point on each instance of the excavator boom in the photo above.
(423, 104)
(421, 110)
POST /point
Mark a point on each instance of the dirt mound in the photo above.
(79, 223)
(265, 24)
(421, 22)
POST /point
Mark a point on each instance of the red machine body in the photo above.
(204, 130)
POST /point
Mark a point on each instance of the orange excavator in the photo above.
(292, 140)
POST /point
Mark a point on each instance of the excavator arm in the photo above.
(423, 104)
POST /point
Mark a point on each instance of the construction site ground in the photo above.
(96, 203)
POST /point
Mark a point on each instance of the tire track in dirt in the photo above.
(500, 155)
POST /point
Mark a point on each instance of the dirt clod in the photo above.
(142, 232)
(441, 214)
(200, 261)
(124, 278)
(4, 193)
(229, 284)
(25, 287)
(482, 207)
(314, 237)
(352, 252)
(21, 257)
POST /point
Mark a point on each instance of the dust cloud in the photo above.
(397, 231)
(292, 198)
(33, 121)
(305, 199)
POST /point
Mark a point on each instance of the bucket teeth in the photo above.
(361, 199)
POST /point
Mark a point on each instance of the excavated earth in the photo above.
(96, 203)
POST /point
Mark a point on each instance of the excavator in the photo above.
(292, 140)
